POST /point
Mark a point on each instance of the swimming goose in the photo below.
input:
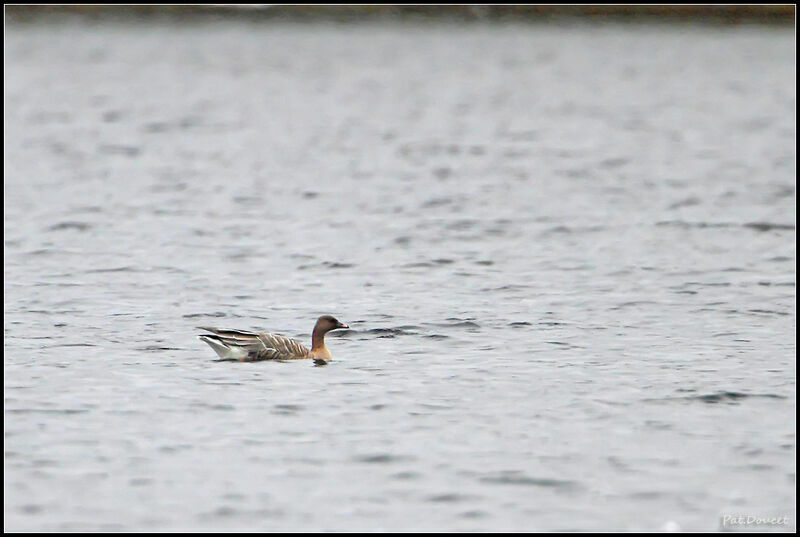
(246, 346)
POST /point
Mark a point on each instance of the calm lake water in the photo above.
(566, 252)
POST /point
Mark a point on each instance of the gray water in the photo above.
(567, 255)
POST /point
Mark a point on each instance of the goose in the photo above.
(247, 346)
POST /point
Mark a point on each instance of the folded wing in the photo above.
(249, 346)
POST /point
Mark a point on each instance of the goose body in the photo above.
(247, 346)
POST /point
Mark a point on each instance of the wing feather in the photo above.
(260, 345)
(283, 348)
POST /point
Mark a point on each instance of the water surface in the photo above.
(567, 254)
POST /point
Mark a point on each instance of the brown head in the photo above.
(325, 324)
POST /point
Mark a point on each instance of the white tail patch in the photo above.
(222, 350)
